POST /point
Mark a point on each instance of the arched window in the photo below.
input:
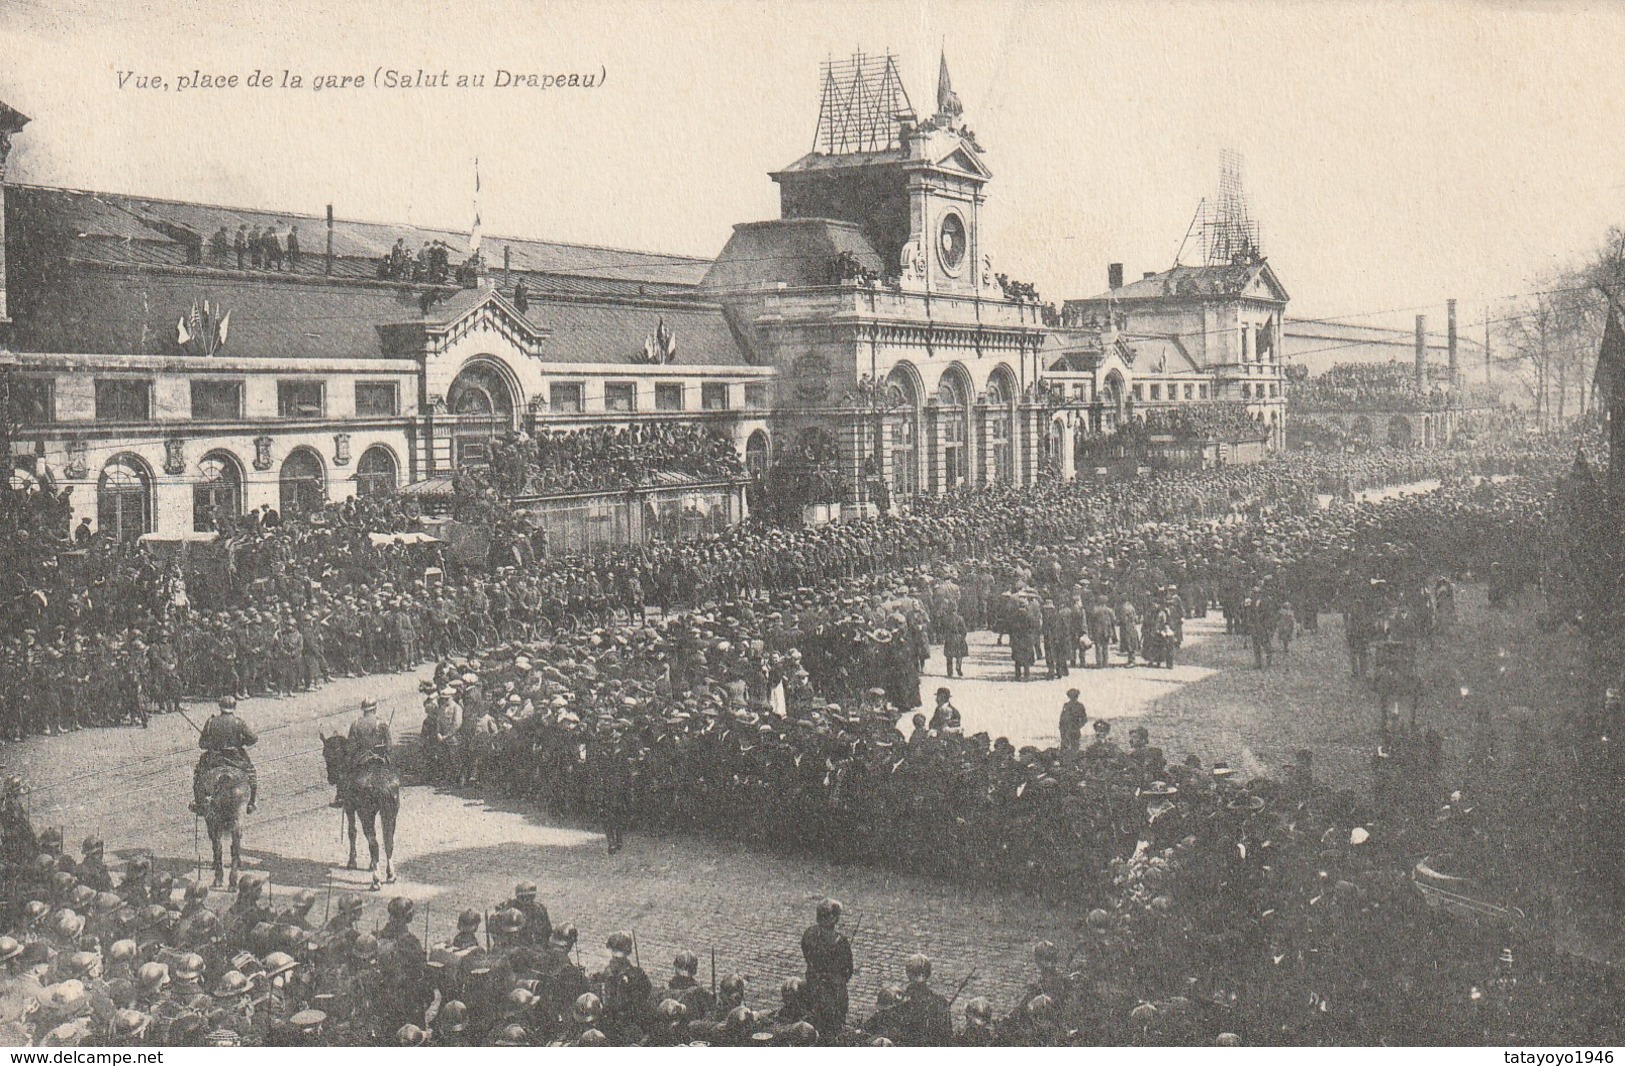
(376, 473)
(951, 415)
(218, 491)
(1001, 457)
(304, 482)
(485, 402)
(124, 498)
(757, 454)
(1112, 396)
(903, 432)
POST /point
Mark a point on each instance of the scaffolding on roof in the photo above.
(861, 106)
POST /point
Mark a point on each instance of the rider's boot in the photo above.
(338, 800)
(253, 795)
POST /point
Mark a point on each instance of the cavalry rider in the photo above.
(225, 740)
(369, 739)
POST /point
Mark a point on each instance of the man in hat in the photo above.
(538, 927)
(1073, 718)
(225, 740)
(624, 989)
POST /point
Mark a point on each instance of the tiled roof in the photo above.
(358, 246)
(792, 251)
(71, 295)
(1230, 280)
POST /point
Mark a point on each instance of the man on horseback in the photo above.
(369, 739)
(225, 740)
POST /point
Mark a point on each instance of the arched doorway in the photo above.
(1110, 405)
(124, 498)
(902, 429)
(1001, 453)
(303, 481)
(953, 429)
(217, 494)
(483, 401)
(376, 472)
(758, 453)
(1400, 434)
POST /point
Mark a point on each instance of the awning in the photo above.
(183, 536)
(434, 486)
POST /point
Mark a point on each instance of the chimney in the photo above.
(11, 121)
(1455, 355)
(1114, 275)
(328, 266)
(1421, 351)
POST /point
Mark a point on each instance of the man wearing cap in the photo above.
(448, 729)
(1073, 718)
(225, 740)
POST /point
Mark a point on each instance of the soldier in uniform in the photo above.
(538, 929)
(624, 989)
(92, 869)
(369, 739)
(979, 1029)
(225, 740)
(828, 954)
(925, 1018)
(685, 987)
(1073, 716)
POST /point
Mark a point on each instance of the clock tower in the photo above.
(914, 188)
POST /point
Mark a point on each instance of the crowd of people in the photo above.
(608, 458)
(762, 704)
(1217, 420)
(430, 265)
(1390, 386)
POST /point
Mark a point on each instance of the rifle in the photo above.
(189, 721)
(713, 974)
(635, 960)
(968, 979)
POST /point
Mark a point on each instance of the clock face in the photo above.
(951, 242)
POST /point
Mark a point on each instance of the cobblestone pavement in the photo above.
(458, 851)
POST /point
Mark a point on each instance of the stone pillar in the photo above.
(1069, 451)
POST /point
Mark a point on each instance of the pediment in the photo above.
(963, 160)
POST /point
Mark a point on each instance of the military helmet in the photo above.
(304, 900)
(672, 1010)
(93, 845)
(525, 890)
(564, 934)
(410, 1035)
(233, 983)
(739, 1019)
(50, 838)
(365, 947)
(468, 920)
(619, 944)
(509, 920)
(586, 1008)
(68, 925)
(733, 985)
(829, 911)
(979, 1011)
(9, 948)
(350, 903)
(686, 962)
(82, 964)
(1040, 1007)
(453, 1017)
(35, 910)
(122, 951)
(592, 1038)
(82, 897)
(278, 963)
(791, 989)
(512, 1036)
(190, 967)
(152, 976)
(401, 909)
(520, 998)
(918, 968)
(130, 1023)
(1046, 953)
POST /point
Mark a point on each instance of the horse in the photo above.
(371, 791)
(225, 789)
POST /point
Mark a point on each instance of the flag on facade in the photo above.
(474, 234)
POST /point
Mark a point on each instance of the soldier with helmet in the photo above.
(684, 986)
(225, 740)
(537, 928)
(924, 1018)
(828, 955)
(624, 989)
(979, 1030)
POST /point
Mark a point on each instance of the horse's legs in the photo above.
(236, 853)
(369, 826)
(388, 815)
(219, 860)
(349, 817)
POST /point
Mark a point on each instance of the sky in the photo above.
(1397, 154)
